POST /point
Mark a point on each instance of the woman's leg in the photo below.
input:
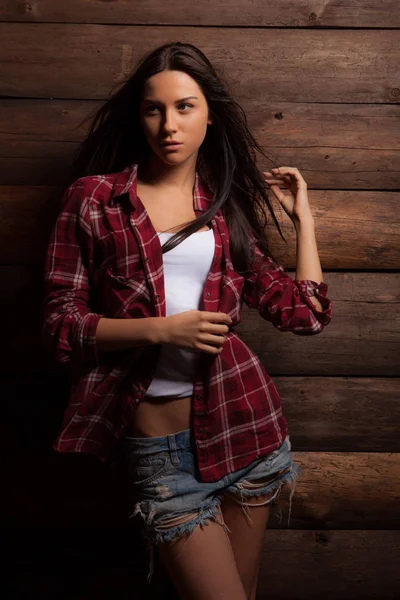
(246, 506)
(246, 539)
(202, 566)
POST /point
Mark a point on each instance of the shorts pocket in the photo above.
(145, 469)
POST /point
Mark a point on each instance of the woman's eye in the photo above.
(153, 108)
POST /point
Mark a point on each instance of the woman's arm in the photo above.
(69, 325)
(120, 334)
(284, 301)
(71, 328)
(308, 265)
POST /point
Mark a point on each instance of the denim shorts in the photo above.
(166, 491)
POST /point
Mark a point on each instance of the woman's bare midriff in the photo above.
(159, 416)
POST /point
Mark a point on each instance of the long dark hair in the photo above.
(226, 160)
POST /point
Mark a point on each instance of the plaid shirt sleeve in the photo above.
(284, 301)
(69, 325)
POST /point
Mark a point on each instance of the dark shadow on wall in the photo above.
(64, 517)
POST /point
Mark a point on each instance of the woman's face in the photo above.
(173, 108)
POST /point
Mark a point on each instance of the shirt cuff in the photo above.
(307, 288)
(86, 338)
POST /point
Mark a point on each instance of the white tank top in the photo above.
(186, 269)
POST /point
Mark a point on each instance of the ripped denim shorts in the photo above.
(166, 492)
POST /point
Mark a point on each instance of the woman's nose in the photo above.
(169, 122)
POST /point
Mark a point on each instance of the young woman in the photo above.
(160, 238)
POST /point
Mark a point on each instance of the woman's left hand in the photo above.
(296, 203)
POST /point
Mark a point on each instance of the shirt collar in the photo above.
(202, 196)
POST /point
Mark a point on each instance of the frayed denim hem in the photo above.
(156, 532)
(243, 488)
(155, 535)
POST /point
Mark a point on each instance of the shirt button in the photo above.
(157, 296)
(200, 430)
(147, 258)
(137, 400)
(208, 294)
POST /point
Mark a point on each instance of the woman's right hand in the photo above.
(197, 329)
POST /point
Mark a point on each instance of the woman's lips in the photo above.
(172, 146)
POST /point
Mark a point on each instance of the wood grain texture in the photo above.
(249, 13)
(356, 565)
(90, 61)
(329, 143)
(354, 229)
(336, 490)
(341, 414)
(360, 340)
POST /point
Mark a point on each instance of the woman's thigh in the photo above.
(202, 566)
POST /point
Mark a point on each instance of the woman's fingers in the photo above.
(277, 182)
(275, 178)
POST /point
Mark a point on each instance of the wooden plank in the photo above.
(354, 229)
(249, 13)
(360, 340)
(89, 61)
(329, 564)
(336, 490)
(344, 490)
(38, 139)
(339, 414)
(325, 414)
(26, 213)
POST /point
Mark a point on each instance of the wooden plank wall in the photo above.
(320, 85)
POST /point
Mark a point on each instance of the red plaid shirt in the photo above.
(104, 259)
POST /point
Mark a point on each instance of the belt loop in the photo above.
(173, 452)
